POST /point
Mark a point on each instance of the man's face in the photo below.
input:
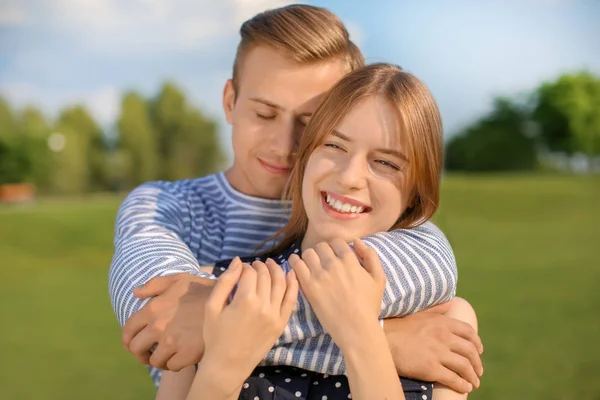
(276, 98)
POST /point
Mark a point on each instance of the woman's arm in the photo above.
(370, 367)
(175, 385)
(237, 334)
(346, 298)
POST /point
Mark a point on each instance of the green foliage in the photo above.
(15, 162)
(568, 112)
(497, 142)
(187, 140)
(87, 137)
(138, 152)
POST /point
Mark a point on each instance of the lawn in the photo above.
(528, 255)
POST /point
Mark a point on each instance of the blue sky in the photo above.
(57, 52)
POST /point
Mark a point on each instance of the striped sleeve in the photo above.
(420, 268)
(151, 239)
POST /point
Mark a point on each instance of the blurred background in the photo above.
(98, 96)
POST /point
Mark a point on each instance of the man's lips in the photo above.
(274, 169)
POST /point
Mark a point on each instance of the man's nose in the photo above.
(282, 139)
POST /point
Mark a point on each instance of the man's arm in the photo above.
(152, 227)
(421, 272)
(420, 268)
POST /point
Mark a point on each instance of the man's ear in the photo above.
(228, 100)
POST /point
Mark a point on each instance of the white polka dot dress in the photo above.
(289, 383)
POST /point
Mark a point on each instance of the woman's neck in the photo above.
(311, 238)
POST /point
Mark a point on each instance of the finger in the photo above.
(467, 332)
(247, 284)
(467, 349)
(141, 344)
(439, 308)
(161, 354)
(326, 254)
(300, 268)
(341, 249)
(291, 295)
(453, 381)
(263, 281)
(461, 366)
(311, 260)
(370, 260)
(135, 325)
(179, 361)
(278, 285)
(220, 294)
(155, 286)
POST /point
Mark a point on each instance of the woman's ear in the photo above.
(228, 100)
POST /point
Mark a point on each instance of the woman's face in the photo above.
(354, 184)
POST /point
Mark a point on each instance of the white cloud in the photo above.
(357, 35)
(102, 102)
(145, 26)
(12, 13)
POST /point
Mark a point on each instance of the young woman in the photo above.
(369, 161)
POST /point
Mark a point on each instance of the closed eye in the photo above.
(388, 164)
(333, 146)
(266, 117)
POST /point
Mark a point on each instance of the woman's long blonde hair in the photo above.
(419, 121)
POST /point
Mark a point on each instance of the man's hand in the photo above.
(433, 347)
(173, 320)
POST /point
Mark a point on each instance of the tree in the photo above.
(137, 141)
(568, 113)
(34, 132)
(78, 127)
(188, 142)
(497, 142)
(8, 125)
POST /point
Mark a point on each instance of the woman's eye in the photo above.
(267, 117)
(333, 146)
(388, 165)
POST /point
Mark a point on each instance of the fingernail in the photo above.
(235, 264)
(138, 287)
(470, 388)
(478, 382)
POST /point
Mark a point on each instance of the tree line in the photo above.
(165, 137)
(162, 137)
(560, 117)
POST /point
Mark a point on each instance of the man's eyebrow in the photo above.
(267, 103)
(391, 152)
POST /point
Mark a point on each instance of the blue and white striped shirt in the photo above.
(164, 228)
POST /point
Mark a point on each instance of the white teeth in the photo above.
(342, 207)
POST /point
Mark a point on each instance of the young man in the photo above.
(286, 60)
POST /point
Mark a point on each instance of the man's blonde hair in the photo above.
(302, 33)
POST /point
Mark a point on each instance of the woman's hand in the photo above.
(239, 334)
(344, 295)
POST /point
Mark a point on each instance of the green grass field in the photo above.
(528, 255)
